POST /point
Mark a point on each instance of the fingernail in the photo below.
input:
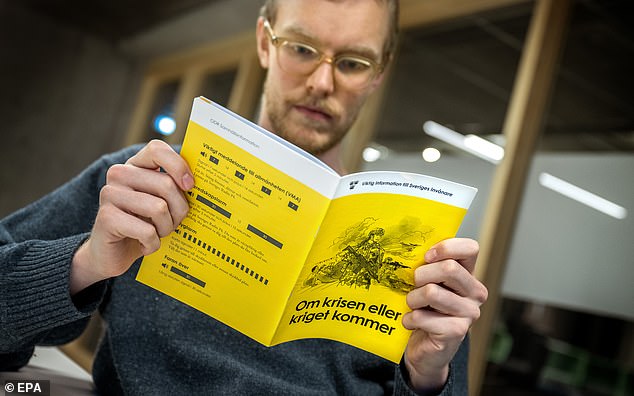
(188, 181)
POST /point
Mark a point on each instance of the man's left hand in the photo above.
(445, 303)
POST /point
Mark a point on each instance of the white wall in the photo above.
(567, 254)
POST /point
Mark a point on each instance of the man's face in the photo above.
(315, 111)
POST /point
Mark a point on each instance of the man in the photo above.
(78, 248)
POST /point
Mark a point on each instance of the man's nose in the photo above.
(322, 79)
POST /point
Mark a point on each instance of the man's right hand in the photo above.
(138, 205)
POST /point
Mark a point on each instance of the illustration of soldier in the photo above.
(363, 262)
(362, 265)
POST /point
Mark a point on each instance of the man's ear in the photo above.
(377, 81)
(263, 43)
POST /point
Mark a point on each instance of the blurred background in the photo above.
(532, 102)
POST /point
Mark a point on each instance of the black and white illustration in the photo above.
(370, 254)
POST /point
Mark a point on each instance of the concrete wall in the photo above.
(65, 99)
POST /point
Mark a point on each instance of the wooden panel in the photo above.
(415, 13)
(190, 67)
(212, 58)
(522, 127)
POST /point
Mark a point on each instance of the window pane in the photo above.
(458, 74)
(217, 87)
(162, 110)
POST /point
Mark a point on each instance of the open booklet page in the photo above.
(279, 247)
(251, 223)
(375, 233)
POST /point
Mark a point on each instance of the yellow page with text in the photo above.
(238, 253)
(353, 286)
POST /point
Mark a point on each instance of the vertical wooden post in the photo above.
(142, 111)
(362, 132)
(189, 88)
(247, 87)
(522, 127)
(364, 129)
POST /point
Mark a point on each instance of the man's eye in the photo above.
(302, 50)
(353, 65)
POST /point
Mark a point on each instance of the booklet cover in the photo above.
(280, 247)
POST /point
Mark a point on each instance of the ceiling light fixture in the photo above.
(375, 152)
(472, 144)
(370, 154)
(431, 154)
(484, 147)
(585, 197)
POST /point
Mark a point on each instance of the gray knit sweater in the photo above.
(155, 345)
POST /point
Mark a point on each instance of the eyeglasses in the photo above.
(350, 70)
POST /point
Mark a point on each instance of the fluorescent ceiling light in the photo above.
(585, 197)
(471, 143)
(484, 147)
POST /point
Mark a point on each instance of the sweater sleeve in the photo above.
(457, 381)
(37, 244)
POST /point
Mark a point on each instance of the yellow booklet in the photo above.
(280, 247)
